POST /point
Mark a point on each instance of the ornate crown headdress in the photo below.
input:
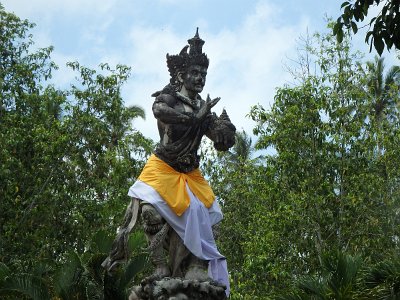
(180, 62)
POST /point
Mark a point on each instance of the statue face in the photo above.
(195, 78)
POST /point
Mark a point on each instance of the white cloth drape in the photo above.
(193, 227)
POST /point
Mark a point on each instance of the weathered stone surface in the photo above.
(183, 118)
(177, 289)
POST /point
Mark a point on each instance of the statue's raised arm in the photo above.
(183, 116)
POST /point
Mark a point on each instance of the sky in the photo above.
(249, 44)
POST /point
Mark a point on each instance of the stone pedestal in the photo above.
(177, 289)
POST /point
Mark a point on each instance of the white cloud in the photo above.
(64, 76)
(246, 56)
(34, 9)
(245, 64)
(179, 2)
(94, 34)
(149, 72)
(94, 18)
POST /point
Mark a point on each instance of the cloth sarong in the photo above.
(194, 226)
(170, 184)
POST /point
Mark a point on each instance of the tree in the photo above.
(326, 187)
(30, 132)
(382, 87)
(243, 149)
(238, 181)
(382, 281)
(81, 276)
(67, 156)
(384, 91)
(338, 281)
(14, 284)
(385, 26)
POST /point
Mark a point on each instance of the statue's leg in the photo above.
(197, 269)
(155, 228)
(183, 263)
(119, 253)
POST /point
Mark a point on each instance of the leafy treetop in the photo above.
(384, 29)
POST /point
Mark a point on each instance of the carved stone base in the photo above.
(177, 289)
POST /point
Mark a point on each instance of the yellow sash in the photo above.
(171, 184)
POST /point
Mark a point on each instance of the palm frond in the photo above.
(25, 284)
(4, 271)
(101, 242)
(242, 149)
(136, 111)
(67, 280)
(384, 279)
(137, 241)
(94, 269)
(135, 265)
(313, 286)
(392, 76)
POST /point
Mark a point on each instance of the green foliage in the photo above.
(82, 276)
(238, 180)
(67, 156)
(24, 285)
(68, 283)
(385, 25)
(382, 87)
(338, 280)
(326, 140)
(328, 180)
(19, 285)
(382, 281)
(346, 277)
(78, 276)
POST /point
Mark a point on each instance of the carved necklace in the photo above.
(194, 103)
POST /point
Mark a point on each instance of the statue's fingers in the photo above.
(215, 101)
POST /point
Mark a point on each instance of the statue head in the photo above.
(186, 61)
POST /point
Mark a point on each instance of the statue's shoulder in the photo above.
(166, 95)
(166, 98)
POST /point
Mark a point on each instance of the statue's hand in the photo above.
(224, 140)
(206, 109)
(212, 102)
(188, 116)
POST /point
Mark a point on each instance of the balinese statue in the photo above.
(176, 204)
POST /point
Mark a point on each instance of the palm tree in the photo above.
(383, 280)
(243, 150)
(338, 280)
(381, 88)
(380, 85)
(120, 126)
(82, 276)
(14, 285)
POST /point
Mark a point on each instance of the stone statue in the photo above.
(177, 206)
